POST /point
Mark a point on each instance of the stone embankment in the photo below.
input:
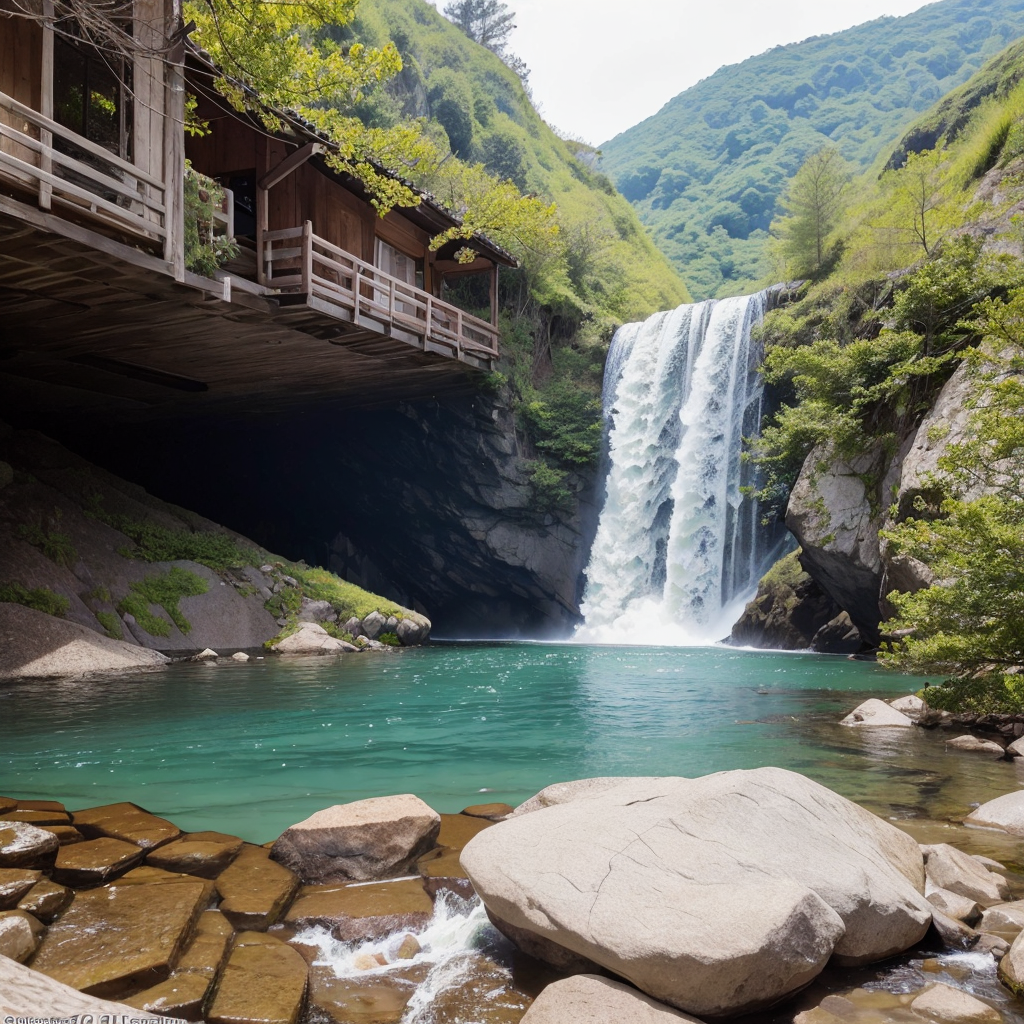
(653, 900)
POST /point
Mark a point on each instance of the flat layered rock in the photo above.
(456, 831)
(114, 940)
(37, 817)
(66, 834)
(717, 895)
(363, 912)
(208, 949)
(959, 872)
(19, 934)
(181, 996)
(263, 982)
(359, 842)
(1005, 813)
(588, 999)
(95, 862)
(493, 812)
(26, 846)
(205, 854)
(952, 1006)
(14, 883)
(7, 804)
(46, 900)
(26, 993)
(254, 890)
(128, 822)
(876, 713)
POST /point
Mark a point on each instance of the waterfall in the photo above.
(679, 546)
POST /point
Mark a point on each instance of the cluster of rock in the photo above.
(310, 637)
(115, 903)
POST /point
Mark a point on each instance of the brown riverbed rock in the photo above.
(205, 854)
(959, 872)
(374, 998)
(95, 862)
(37, 817)
(14, 883)
(181, 996)
(363, 912)
(26, 846)
(951, 1006)
(66, 834)
(716, 895)
(588, 999)
(112, 941)
(492, 812)
(254, 890)
(25, 992)
(208, 949)
(19, 934)
(46, 900)
(456, 831)
(128, 822)
(263, 982)
(359, 842)
(7, 803)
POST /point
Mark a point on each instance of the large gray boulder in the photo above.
(360, 842)
(588, 999)
(312, 638)
(716, 895)
(875, 712)
(948, 868)
(1005, 813)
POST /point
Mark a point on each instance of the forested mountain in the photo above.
(706, 171)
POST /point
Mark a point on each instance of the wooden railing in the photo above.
(45, 157)
(296, 260)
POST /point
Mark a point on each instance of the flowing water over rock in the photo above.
(679, 546)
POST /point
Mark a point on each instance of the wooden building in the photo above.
(97, 307)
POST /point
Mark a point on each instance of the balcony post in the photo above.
(307, 258)
(46, 104)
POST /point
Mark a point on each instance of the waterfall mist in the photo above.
(679, 546)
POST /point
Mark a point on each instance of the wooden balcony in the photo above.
(77, 178)
(304, 269)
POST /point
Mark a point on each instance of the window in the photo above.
(397, 264)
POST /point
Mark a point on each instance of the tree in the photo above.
(451, 104)
(487, 22)
(915, 198)
(812, 206)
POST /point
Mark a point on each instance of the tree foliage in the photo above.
(487, 22)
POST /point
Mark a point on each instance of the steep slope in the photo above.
(706, 171)
(614, 266)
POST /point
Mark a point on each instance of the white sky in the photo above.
(599, 67)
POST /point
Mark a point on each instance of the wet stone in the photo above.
(95, 862)
(435, 885)
(66, 834)
(196, 854)
(456, 832)
(492, 812)
(377, 998)
(255, 891)
(208, 950)
(363, 912)
(38, 818)
(46, 900)
(7, 804)
(19, 934)
(263, 982)
(26, 846)
(128, 822)
(113, 941)
(14, 883)
(41, 805)
(482, 991)
(181, 996)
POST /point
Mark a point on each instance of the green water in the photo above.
(252, 748)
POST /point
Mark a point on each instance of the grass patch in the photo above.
(389, 640)
(163, 590)
(55, 545)
(111, 625)
(40, 598)
(345, 598)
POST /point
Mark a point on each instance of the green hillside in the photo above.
(706, 171)
(614, 269)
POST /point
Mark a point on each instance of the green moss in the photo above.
(163, 590)
(389, 640)
(111, 625)
(40, 598)
(51, 542)
(346, 599)
(156, 543)
(786, 573)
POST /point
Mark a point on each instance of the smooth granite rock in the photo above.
(20, 933)
(128, 822)
(953, 1006)
(1011, 967)
(115, 940)
(26, 846)
(205, 854)
(976, 745)
(263, 982)
(954, 905)
(95, 862)
(312, 639)
(362, 841)
(1005, 919)
(254, 890)
(26, 993)
(959, 872)
(588, 999)
(14, 883)
(716, 895)
(1005, 813)
(909, 705)
(874, 712)
(567, 792)
(363, 912)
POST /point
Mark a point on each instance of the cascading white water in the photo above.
(679, 546)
